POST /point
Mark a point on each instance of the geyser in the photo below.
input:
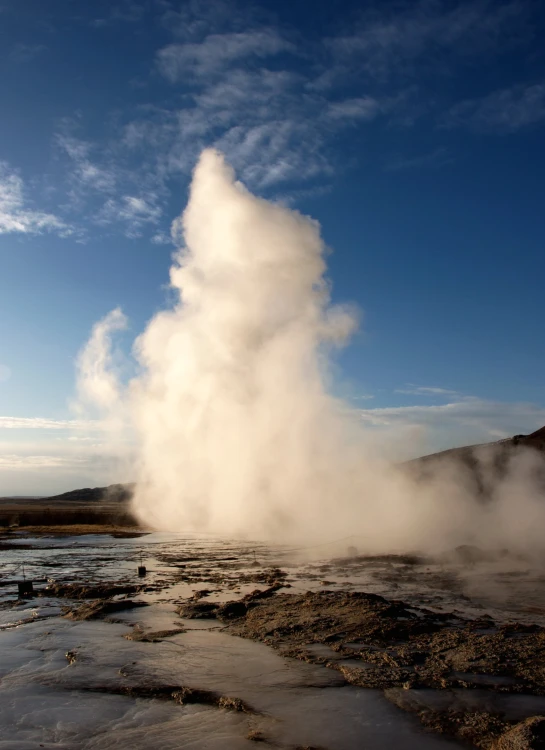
(234, 427)
(237, 430)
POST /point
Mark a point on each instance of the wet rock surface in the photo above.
(89, 590)
(450, 640)
(388, 644)
(392, 644)
(101, 608)
(180, 694)
(151, 636)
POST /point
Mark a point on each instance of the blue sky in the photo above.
(414, 133)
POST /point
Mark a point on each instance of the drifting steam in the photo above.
(235, 429)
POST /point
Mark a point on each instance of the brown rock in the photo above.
(98, 608)
(526, 735)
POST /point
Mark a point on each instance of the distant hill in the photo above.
(485, 464)
(114, 493)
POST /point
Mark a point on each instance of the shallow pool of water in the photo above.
(45, 700)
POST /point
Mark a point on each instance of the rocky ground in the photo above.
(407, 651)
(457, 641)
(456, 674)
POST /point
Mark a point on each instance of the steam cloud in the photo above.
(236, 432)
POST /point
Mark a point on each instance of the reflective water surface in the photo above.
(85, 701)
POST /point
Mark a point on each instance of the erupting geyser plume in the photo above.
(235, 429)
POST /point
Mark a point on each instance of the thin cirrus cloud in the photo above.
(241, 91)
(239, 101)
(502, 112)
(490, 419)
(272, 129)
(41, 423)
(217, 50)
(86, 173)
(386, 45)
(14, 461)
(276, 102)
(38, 473)
(423, 428)
(16, 213)
(360, 108)
(88, 178)
(123, 11)
(133, 211)
(420, 390)
(49, 456)
(46, 468)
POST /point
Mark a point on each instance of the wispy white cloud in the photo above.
(126, 11)
(46, 468)
(504, 111)
(278, 107)
(44, 456)
(193, 20)
(15, 461)
(461, 421)
(272, 129)
(426, 391)
(134, 211)
(275, 152)
(354, 110)
(218, 50)
(98, 175)
(42, 423)
(16, 213)
(86, 173)
(386, 43)
(277, 125)
(161, 238)
(249, 92)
